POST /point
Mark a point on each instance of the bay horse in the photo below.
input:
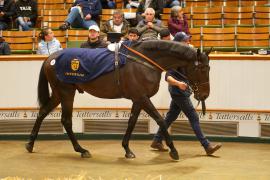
(138, 81)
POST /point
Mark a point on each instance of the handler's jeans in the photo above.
(75, 19)
(178, 104)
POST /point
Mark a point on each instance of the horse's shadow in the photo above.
(154, 159)
(211, 156)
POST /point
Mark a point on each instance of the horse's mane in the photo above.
(179, 49)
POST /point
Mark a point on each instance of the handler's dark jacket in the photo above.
(92, 45)
(178, 75)
(26, 8)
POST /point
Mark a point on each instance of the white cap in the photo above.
(94, 27)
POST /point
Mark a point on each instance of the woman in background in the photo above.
(178, 21)
(48, 44)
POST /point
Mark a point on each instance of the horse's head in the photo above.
(172, 55)
(198, 75)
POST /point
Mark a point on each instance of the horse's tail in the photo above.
(43, 88)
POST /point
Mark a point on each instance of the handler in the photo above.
(180, 94)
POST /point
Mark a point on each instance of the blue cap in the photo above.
(181, 36)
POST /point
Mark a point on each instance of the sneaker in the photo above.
(211, 148)
(64, 26)
(158, 146)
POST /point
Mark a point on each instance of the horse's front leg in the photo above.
(66, 119)
(135, 111)
(152, 111)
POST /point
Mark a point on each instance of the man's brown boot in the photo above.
(211, 148)
(158, 146)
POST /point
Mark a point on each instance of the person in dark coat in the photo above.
(7, 10)
(4, 47)
(157, 5)
(94, 40)
(26, 13)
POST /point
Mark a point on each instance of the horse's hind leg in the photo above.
(152, 111)
(135, 111)
(67, 99)
(43, 112)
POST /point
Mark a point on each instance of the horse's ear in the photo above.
(198, 52)
(198, 57)
(209, 51)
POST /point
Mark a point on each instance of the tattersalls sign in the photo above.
(125, 114)
(249, 123)
(84, 114)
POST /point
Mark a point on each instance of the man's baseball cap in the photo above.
(94, 27)
(181, 36)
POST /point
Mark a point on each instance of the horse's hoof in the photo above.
(86, 154)
(174, 155)
(130, 155)
(29, 147)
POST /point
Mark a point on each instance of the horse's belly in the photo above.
(103, 87)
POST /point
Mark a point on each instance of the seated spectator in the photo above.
(178, 21)
(108, 4)
(83, 14)
(131, 4)
(149, 28)
(116, 24)
(48, 44)
(94, 40)
(157, 5)
(26, 13)
(7, 10)
(133, 34)
(183, 38)
(171, 3)
(4, 47)
(165, 34)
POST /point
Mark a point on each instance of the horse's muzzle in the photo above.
(202, 92)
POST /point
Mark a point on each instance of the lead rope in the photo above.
(145, 57)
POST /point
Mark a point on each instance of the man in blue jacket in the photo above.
(83, 14)
(180, 94)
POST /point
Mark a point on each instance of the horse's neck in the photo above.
(167, 54)
(166, 60)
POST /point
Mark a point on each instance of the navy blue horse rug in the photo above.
(78, 65)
